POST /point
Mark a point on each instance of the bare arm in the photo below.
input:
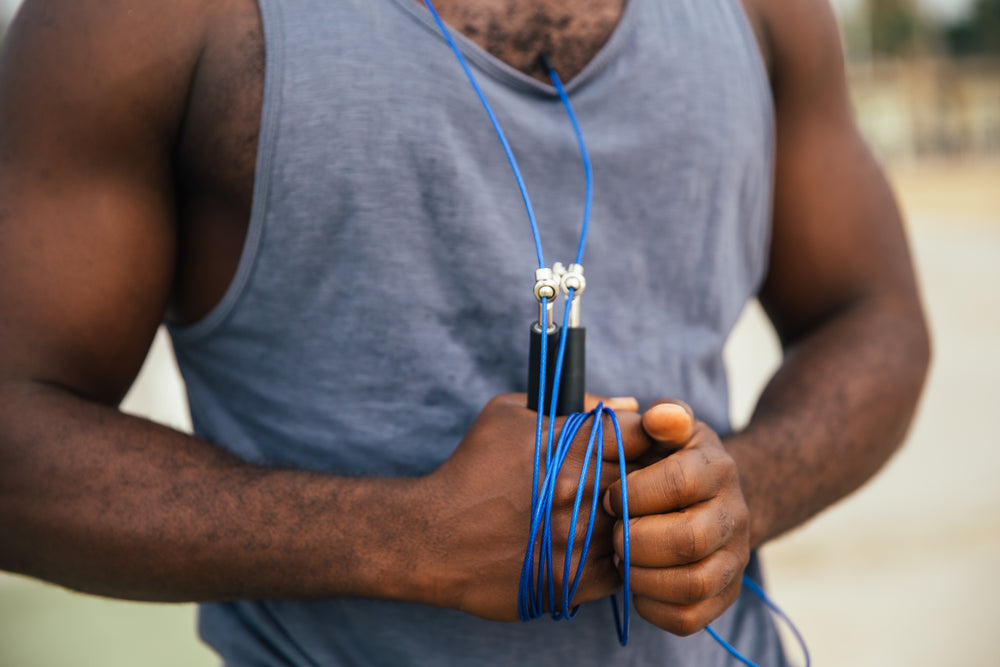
(92, 96)
(90, 498)
(842, 296)
(840, 292)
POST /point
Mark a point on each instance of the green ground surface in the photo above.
(46, 626)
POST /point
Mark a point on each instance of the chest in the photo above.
(518, 31)
(217, 152)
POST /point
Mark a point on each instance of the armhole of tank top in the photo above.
(271, 25)
(745, 27)
(767, 111)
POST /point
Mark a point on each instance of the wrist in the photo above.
(401, 556)
(429, 575)
(746, 453)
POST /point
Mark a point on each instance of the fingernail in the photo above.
(617, 561)
(626, 403)
(607, 503)
(674, 409)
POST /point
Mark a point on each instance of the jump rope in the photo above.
(537, 582)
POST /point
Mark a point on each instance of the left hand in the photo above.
(689, 527)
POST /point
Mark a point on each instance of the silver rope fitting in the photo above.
(546, 287)
(558, 271)
(572, 279)
(546, 284)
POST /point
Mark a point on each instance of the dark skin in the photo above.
(127, 141)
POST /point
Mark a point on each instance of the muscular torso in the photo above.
(216, 149)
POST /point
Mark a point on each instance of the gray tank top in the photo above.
(384, 292)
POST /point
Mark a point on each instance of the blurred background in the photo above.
(903, 572)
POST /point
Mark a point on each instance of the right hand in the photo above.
(479, 509)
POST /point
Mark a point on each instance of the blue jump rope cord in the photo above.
(499, 130)
(530, 598)
(588, 172)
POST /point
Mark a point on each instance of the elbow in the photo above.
(908, 357)
(918, 344)
(924, 352)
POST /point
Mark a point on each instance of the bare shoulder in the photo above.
(80, 52)
(95, 98)
(801, 44)
(837, 238)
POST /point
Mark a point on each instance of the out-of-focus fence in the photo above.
(928, 107)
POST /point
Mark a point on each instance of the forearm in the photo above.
(832, 415)
(114, 505)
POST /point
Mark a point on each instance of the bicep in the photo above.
(87, 237)
(838, 236)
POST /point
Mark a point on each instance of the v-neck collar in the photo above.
(515, 78)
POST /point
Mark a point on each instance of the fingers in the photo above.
(680, 480)
(670, 424)
(688, 584)
(684, 572)
(599, 580)
(685, 619)
(519, 400)
(679, 538)
(635, 440)
(568, 481)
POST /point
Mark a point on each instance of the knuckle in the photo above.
(742, 558)
(699, 585)
(566, 488)
(582, 526)
(688, 622)
(728, 523)
(498, 401)
(681, 621)
(674, 482)
(743, 517)
(689, 542)
(730, 471)
(729, 575)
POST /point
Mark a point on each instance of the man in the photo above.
(308, 194)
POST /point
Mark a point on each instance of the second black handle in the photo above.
(572, 382)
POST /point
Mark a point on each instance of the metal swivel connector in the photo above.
(572, 279)
(546, 287)
(546, 284)
(558, 271)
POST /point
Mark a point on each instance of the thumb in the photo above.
(669, 422)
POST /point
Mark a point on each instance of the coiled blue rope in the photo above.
(539, 577)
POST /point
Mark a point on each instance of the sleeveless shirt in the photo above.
(384, 290)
